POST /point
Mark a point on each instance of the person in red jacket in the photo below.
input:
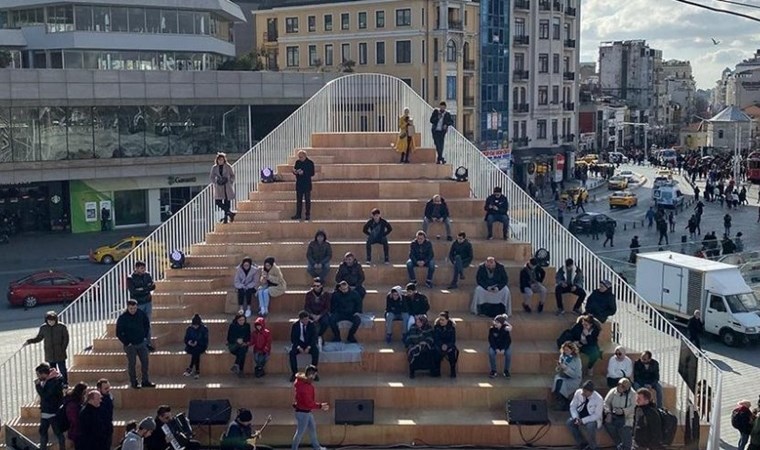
(261, 341)
(303, 405)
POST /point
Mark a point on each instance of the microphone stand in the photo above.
(207, 422)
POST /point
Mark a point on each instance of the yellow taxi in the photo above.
(590, 158)
(619, 183)
(573, 194)
(109, 254)
(623, 199)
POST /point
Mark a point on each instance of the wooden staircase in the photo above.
(355, 173)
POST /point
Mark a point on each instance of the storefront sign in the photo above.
(91, 211)
(180, 180)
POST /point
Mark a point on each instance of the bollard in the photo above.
(634, 225)
(625, 225)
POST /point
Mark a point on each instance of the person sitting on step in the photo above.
(569, 371)
(344, 305)
(491, 296)
(247, 276)
(421, 255)
(569, 278)
(619, 366)
(261, 342)
(420, 350)
(352, 273)
(500, 343)
(396, 308)
(436, 210)
(586, 415)
(531, 282)
(196, 343)
(238, 337)
(646, 374)
(601, 303)
(318, 256)
(416, 303)
(445, 341)
(460, 254)
(271, 284)
(585, 334)
(497, 210)
(317, 304)
(303, 340)
(377, 230)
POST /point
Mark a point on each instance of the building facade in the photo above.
(111, 35)
(432, 45)
(544, 88)
(495, 23)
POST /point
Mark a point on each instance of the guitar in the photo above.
(253, 440)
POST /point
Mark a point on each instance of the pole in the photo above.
(646, 145)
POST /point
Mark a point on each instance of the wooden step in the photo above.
(357, 140)
(317, 160)
(334, 209)
(393, 171)
(354, 189)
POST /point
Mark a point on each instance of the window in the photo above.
(168, 20)
(408, 81)
(345, 52)
(185, 21)
(520, 61)
(451, 87)
(328, 22)
(555, 63)
(524, 129)
(451, 52)
(292, 56)
(403, 17)
(556, 29)
(403, 52)
(435, 87)
(543, 63)
(541, 129)
(362, 53)
(717, 304)
(344, 21)
(328, 55)
(312, 24)
(566, 64)
(84, 18)
(380, 19)
(380, 53)
(555, 136)
(435, 49)
(362, 20)
(423, 51)
(312, 55)
(720, 134)
(520, 27)
(291, 24)
(516, 129)
(555, 95)
(543, 95)
(568, 31)
(543, 29)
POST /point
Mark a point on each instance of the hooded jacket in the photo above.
(140, 286)
(199, 335)
(416, 304)
(304, 400)
(647, 426)
(248, 280)
(56, 339)
(500, 338)
(318, 252)
(51, 394)
(601, 305)
(443, 209)
(421, 252)
(396, 306)
(261, 340)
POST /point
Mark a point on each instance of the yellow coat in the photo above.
(402, 141)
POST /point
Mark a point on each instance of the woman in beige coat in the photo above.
(272, 284)
(222, 177)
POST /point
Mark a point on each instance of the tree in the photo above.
(251, 61)
(5, 59)
(347, 66)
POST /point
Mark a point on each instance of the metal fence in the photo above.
(367, 103)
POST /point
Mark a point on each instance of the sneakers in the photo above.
(135, 385)
(492, 374)
(296, 218)
(235, 368)
(148, 384)
(507, 375)
(560, 312)
(368, 262)
(247, 313)
(196, 375)
(388, 338)
(316, 377)
(387, 262)
(429, 284)
(151, 348)
(540, 308)
(527, 308)
(452, 286)
(232, 217)
(188, 372)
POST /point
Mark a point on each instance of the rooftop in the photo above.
(731, 114)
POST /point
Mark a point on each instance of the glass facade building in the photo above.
(494, 72)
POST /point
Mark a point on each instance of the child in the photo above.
(499, 342)
(196, 343)
(261, 341)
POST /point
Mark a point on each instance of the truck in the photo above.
(676, 285)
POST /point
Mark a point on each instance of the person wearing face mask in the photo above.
(56, 337)
(619, 405)
(440, 120)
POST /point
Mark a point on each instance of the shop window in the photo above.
(130, 208)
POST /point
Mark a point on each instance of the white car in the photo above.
(617, 157)
(632, 177)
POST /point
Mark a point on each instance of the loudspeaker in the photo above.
(354, 412)
(209, 412)
(527, 412)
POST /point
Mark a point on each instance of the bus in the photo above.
(753, 167)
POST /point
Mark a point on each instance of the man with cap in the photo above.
(497, 210)
(531, 278)
(601, 303)
(345, 304)
(586, 411)
(239, 431)
(134, 439)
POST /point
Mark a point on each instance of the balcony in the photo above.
(570, 11)
(568, 138)
(569, 43)
(520, 75)
(544, 5)
(469, 102)
(469, 65)
(569, 107)
(455, 25)
(558, 6)
(520, 108)
(522, 4)
(522, 39)
(569, 76)
(520, 142)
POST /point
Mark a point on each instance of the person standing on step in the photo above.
(437, 211)
(93, 424)
(497, 210)
(133, 330)
(317, 304)
(440, 120)
(491, 296)
(345, 305)
(460, 254)
(140, 285)
(352, 273)
(303, 340)
(405, 142)
(49, 386)
(261, 343)
(106, 405)
(421, 255)
(303, 405)
(741, 421)
(318, 256)
(377, 230)
(56, 337)
(222, 177)
(196, 344)
(586, 413)
(303, 169)
(271, 284)
(247, 276)
(530, 284)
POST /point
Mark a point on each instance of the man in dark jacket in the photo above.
(303, 339)
(352, 273)
(239, 431)
(421, 255)
(601, 303)
(440, 120)
(647, 426)
(140, 286)
(158, 439)
(377, 230)
(460, 254)
(695, 328)
(318, 256)
(49, 386)
(530, 284)
(94, 426)
(646, 374)
(303, 169)
(492, 296)
(106, 404)
(317, 304)
(497, 210)
(345, 305)
(133, 329)
(437, 211)
(56, 337)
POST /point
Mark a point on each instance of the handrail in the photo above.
(371, 103)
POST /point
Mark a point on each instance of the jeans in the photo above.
(195, 361)
(583, 433)
(300, 196)
(657, 389)
(263, 296)
(313, 351)
(305, 421)
(135, 351)
(438, 139)
(147, 308)
(492, 359)
(446, 223)
(410, 265)
(260, 359)
(459, 267)
(743, 440)
(538, 288)
(240, 354)
(322, 272)
(61, 366)
(44, 425)
(382, 240)
(503, 218)
(245, 296)
(390, 317)
(621, 435)
(323, 324)
(559, 290)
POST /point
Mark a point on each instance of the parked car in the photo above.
(46, 287)
(617, 157)
(623, 199)
(574, 193)
(582, 222)
(630, 176)
(109, 254)
(618, 182)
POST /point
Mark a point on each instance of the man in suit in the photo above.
(303, 336)
(441, 121)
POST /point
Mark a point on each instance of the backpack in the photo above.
(669, 426)
(61, 418)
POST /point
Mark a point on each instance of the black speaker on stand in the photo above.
(527, 412)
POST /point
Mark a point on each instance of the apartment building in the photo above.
(544, 87)
(681, 90)
(431, 44)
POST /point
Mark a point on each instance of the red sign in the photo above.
(560, 162)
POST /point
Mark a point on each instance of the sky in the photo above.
(681, 31)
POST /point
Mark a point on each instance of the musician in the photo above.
(160, 441)
(239, 431)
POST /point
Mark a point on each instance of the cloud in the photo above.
(680, 31)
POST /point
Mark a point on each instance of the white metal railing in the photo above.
(359, 103)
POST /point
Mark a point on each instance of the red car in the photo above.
(46, 287)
